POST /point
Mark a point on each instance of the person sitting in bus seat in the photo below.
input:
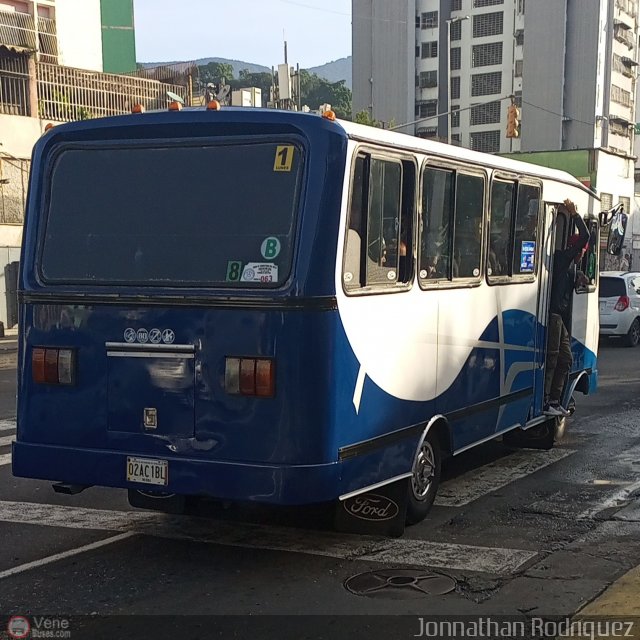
(565, 277)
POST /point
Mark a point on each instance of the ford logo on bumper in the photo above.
(371, 506)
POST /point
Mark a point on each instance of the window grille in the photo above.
(477, 4)
(456, 5)
(427, 108)
(488, 24)
(430, 49)
(429, 20)
(456, 31)
(428, 79)
(485, 113)
(455, 88)
(485, 84)
(486, 141)
(484, 55)
(620, 96)
(455, 116)
(519, 37)
(456, 59)
(518, 71)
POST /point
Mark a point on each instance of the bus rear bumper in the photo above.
(232, 481)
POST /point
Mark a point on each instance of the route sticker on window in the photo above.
(234, 270)
(260, 272)
(284, 158)
(527, 256)
(270, 248)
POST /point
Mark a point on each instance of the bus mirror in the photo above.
(617, 233)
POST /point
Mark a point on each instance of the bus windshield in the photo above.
(218, 215)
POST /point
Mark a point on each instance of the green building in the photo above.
(118, 36)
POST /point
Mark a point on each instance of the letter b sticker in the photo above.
(270, 248)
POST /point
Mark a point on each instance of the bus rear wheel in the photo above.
(425, 479)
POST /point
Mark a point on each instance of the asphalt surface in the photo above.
(527, 534)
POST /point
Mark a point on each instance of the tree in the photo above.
(363, 117)
(247, 79)
(214, 72)
(316, 91)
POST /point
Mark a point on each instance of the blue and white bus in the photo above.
(256, 305)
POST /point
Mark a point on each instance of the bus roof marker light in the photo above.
(329, 115)
(214, 105)
(137, 108)
(175, 106)
(48, 127)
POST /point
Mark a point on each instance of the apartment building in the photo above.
(54, 55)
(570, 67)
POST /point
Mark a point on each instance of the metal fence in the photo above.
(66, 93)
(18, 32)
(14, 84)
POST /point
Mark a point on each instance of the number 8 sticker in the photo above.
(284, 158)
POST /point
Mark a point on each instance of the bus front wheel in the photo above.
(425, 478)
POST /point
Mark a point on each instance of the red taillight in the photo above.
(53, 366)
(622, 304)
(250, 377)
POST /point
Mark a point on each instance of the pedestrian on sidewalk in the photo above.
(565, 277)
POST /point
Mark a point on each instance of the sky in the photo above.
(316, 31)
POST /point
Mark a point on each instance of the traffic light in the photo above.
(513, 121)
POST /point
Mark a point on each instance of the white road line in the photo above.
(64, 554)
(5, 441)
(252, 536)
(5, 459)
(7, 425)
(495, 475)
(615, 500)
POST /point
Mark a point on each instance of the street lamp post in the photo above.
(450, 21)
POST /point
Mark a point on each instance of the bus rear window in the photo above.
(220, 215)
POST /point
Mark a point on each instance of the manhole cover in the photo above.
(400, 583)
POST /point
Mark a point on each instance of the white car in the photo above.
(620, 305)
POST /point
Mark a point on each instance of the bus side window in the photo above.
(467, 240)
(380, 222)
(526, 230)
(437, 214)
(352, 272)
(499, 259)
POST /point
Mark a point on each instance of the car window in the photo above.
(634, 285)
(610, 287)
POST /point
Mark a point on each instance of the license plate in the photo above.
(148, 471)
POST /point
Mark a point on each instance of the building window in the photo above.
(486, 141)
(427, 108)
(620, 96)
(427, 132)
(417, 22)
(623, 65)
(456, 5)
(455, 88)
(428, 79)
(486, 84)
(521, 7)
(456, 31)
(518, 71)
(455, 139)
(626, 203)
(455, 59)
(484, 55)
(606, 201)
(488, 24)
(429, 20)
(519, 36)
(517, 99)
(417, 51)
(455, 116)
(488, 113)
(477, 4)
(430, 49)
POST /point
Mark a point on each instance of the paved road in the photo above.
(524, 533)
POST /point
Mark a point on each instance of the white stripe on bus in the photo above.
(474, 484)
(245, 535)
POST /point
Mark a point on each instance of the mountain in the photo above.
(331, 71)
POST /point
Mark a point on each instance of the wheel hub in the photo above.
(424, 470)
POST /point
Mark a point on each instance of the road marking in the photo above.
(7, 425)
(618, 499)
(5, 441)
(492, 476)
(5, 459)
(64, 554)
(406, 551)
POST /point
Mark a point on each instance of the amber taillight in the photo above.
(53, 366)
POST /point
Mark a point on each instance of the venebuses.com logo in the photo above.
(18, 627)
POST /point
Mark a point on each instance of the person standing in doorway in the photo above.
(565, 277)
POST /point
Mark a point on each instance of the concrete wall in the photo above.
(79, 27)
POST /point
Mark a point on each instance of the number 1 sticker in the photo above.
(284, 158)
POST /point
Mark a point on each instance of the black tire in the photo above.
(542, 436)
(632, 339)
(423, 485)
